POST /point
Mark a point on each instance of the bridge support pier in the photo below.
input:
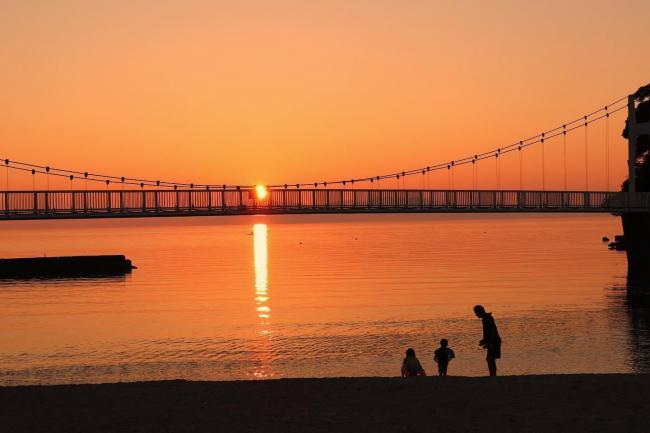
(636, 227)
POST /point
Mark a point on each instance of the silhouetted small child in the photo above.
(442, 356)
(411, 365)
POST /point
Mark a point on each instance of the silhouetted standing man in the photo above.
(491, 340)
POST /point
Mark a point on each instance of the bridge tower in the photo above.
(636, 227)
(634, 131)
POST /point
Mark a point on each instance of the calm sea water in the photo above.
(304, 296)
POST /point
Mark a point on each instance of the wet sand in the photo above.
(557, 403)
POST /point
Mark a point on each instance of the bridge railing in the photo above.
(130, 202)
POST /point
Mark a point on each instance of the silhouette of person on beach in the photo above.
(411, 365)
(442, 356)
(491, 339)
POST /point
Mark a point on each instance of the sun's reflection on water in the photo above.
(263, 311)
(261, 262)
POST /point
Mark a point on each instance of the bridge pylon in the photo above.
(634, 131)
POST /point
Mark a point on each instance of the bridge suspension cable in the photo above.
(543, 137)
(584, 121)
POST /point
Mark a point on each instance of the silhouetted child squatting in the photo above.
(411, 365)
(442, 356)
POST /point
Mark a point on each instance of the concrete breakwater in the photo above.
(69, 266)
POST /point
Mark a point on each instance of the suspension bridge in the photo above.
(135, 197)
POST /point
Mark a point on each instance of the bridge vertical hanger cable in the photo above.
(7, 174)
(475, 165)
(543, 164)
(586, 157)
(453, 184)
(499, 166)
(564, 152)
(448, 177)
(473, 174)
(607, 148)
(521, 166)
(496, 167)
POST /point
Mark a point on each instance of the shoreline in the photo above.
(558, 403)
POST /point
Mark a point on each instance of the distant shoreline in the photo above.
(558, 403)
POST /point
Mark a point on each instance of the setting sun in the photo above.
(261, 192)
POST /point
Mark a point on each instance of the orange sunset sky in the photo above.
(303, 91)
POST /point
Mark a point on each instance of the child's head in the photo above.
(444, 342)
(410, 352)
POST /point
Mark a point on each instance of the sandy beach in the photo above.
(557, 403)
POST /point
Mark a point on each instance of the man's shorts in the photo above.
(494, 350)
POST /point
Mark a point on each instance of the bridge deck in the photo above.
(153, 203)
